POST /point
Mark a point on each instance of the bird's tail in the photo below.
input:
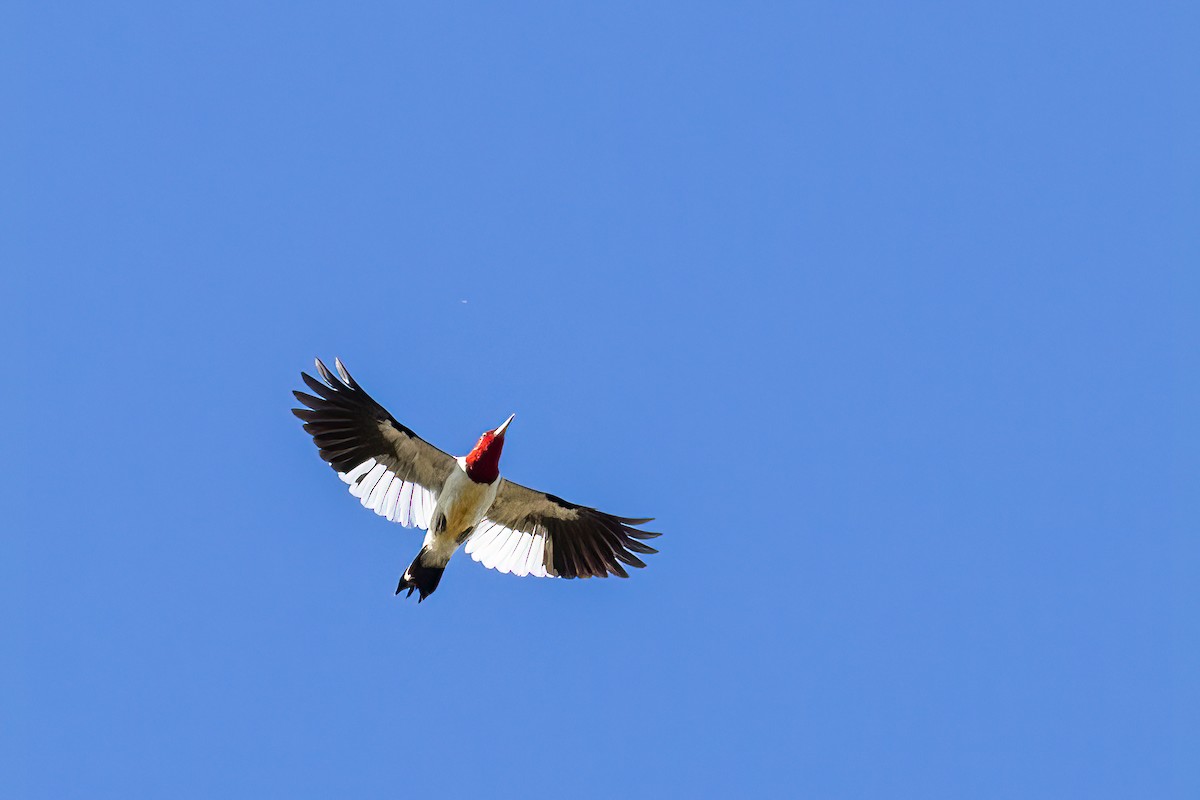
(421, 575)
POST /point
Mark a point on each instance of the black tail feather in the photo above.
(423, 578)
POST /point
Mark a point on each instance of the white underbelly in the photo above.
(463, 503)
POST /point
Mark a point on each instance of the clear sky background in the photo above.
(887, 312)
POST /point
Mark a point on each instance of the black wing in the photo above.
(528, 532)
(394, 472)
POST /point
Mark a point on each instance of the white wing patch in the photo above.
(506, 550)
(378, 489)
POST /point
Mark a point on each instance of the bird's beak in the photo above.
(500, 431)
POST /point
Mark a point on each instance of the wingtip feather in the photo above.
(307, 399)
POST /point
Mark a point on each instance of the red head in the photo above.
(483, 462)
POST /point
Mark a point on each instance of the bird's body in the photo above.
(460, 507)
(460, 501)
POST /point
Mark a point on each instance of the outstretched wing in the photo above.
(528, 532)
(392, 471)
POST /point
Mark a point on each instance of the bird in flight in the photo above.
(459, 501)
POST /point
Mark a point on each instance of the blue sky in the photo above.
(887, 312)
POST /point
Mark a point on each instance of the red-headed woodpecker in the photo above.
(459, 501)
